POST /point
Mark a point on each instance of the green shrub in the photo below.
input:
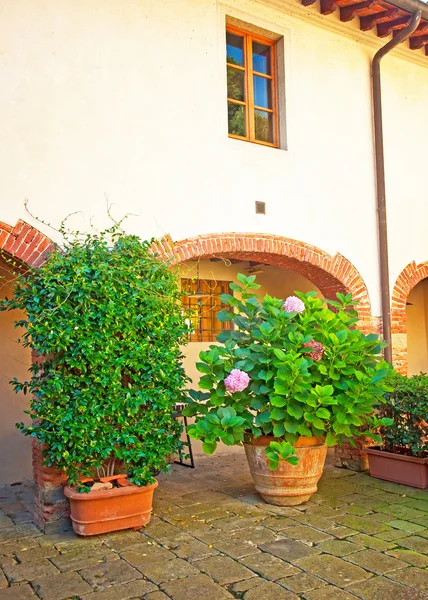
(407, 406)
(105, 314)
(302, 371)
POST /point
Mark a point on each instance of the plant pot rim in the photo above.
(376, 451)
(265, 440)
(73, 494)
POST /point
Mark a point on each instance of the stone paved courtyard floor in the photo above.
(212, 538)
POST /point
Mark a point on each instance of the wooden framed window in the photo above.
(251, 88)
(203, 310)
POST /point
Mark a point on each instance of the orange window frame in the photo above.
(249, 87)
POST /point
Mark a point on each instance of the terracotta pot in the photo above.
(399, 468)
(288, 485)
(110, 510)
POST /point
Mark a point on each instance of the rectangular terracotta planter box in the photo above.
(103, 511)
(398, 468)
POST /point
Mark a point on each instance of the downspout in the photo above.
(380, 174)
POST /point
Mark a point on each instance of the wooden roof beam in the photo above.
(347, 13)
(385, 29)
(369, 21)
(418, 41)
(327, 7)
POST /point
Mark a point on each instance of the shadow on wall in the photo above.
(15, 449)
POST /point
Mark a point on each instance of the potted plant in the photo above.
(289, 379)
(104, 313)
(403, 456)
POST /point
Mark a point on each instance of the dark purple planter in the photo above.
(407, 470)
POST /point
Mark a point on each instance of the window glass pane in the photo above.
(261, 58)
(236, 84)
(262, 92)
(263, 122)
(236, 115)
(234, 49)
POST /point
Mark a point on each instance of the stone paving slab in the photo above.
(381, 588)
(134, 589)
(190, 588)
(269, 591)
(213, 538)
(18, 592)
(60, 587)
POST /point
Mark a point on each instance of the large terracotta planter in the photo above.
(110, 510)
(288, 485)
(398, 468)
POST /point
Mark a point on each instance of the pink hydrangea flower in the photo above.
(236, 381)
(294, 304)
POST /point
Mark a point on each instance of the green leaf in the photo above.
(206, 382)
(295, 410)
(280, 354)
(278, 401)
(323, 413)
(209, 447)
(278, 430)
(330, 439)
(277, 414)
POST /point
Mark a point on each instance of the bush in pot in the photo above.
(403, 455)
(105, 314)
(289, 379)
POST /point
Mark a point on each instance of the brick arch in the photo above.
(25, 242)
(409, 277)
(331, 274)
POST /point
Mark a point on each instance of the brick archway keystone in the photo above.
(331, 274)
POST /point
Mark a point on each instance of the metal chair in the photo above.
(178, 414)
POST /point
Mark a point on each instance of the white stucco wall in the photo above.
(126, 98)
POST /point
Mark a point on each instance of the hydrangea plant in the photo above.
(105, 314)
(288, 369)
